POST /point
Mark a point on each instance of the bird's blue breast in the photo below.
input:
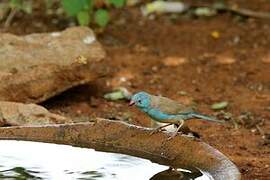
(158, 115)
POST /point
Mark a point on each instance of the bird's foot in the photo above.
(173, 135)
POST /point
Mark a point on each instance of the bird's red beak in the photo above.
(131, 103)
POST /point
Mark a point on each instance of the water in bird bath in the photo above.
(33, 160)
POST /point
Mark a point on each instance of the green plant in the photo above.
(118, 3)
(21, 5)
(86, 11)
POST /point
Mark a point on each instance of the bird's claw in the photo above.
(173, 135)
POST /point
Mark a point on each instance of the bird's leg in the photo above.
(179, 127)
(159, 128)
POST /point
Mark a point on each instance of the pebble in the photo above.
(225, 60)
(89, 39)
(266, 59)
(174, 61)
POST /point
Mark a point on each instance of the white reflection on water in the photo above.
(62, 162)
(25, 160)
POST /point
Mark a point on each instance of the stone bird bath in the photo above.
(119, 137)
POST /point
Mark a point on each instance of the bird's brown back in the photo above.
(169, 106)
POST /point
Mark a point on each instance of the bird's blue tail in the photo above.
(205, 117)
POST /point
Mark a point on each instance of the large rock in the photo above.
(15, 114)
(36, 67)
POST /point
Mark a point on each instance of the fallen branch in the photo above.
(248, 12)
(10, 17)
(237, 10)
(119, 137)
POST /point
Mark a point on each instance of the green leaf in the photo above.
(27, 6)
(102, 17)
(118, 3)
(15, 4)
(83, 18)
(73, 7)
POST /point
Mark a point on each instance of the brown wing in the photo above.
(169, 106)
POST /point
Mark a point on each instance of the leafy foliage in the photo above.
(83, 18)
(102, 17)
(83, 10)
(73, 7)
(118, 3)
(22, 5)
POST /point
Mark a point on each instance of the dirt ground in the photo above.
(193, 60)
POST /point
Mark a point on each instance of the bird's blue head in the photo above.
(141, 100)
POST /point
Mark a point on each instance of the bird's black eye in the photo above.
(140, 101)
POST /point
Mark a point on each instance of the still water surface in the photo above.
(24, 160)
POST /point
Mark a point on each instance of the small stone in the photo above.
(182, 93)
(89, 39)
(55, 34)
(266, 59)
(215, 34)
(236, 40)
(174, 61)
(253, 130)
(140, 48)
(81, 60)
(225, 60)
(154, 68)
(122, 78)
(219, 105)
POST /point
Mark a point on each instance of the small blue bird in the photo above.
(165, 110)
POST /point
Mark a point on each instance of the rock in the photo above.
(220, 105)
(36, 67)
(215, 34)
(118, 94)
(140, 48)
(266, 59)
(174, 61)
(225, 60)
(12, 113)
